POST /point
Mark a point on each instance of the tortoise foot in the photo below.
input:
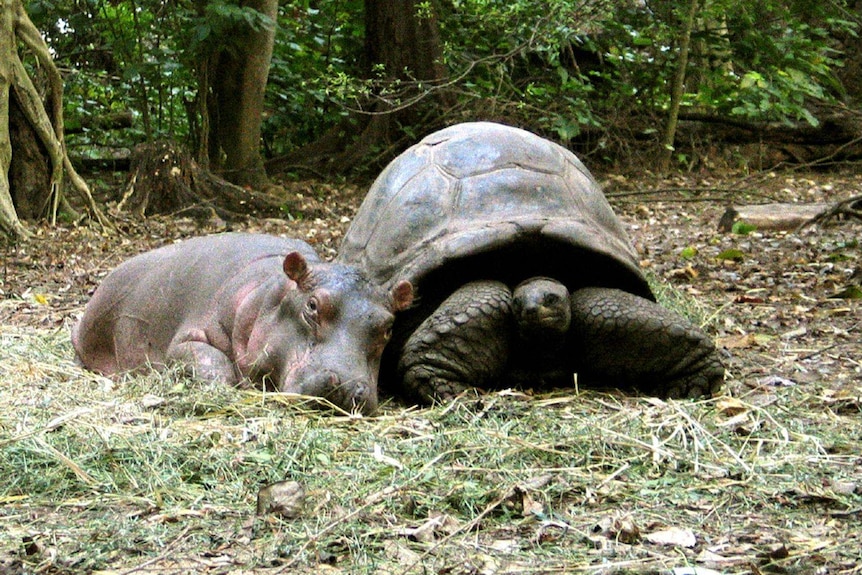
(464, 343)
(625, 340)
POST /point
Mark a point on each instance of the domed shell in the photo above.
(488, 201)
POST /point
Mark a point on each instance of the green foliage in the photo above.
(561, 67)
(786, 57)
(315, 69)
(142, 55)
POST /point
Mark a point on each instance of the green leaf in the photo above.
(732, 254)
(850, 292)
(742, 228)
(688, 252)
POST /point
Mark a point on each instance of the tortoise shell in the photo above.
(487, 201)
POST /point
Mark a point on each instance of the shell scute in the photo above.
(487, 201)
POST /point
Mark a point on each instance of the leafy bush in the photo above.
(559, 67)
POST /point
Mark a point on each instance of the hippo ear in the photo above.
(402, 295)
(296, 268)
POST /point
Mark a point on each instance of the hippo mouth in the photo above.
(349, 394)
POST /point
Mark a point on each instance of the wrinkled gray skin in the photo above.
(523, 272)
(244, 307)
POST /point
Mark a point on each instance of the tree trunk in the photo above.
(677, 89)
(9, 222)
(406, 44)
(38, 129)
(29, 174)
(238, 75)
(402, 40)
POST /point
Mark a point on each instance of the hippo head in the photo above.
(327, 332)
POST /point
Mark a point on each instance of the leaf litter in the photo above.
(161, 474)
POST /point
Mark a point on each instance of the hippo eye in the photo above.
(312, 307)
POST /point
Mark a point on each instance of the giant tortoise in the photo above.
(523, 274)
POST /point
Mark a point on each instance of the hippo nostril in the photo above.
(363, 399)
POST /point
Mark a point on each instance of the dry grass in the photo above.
(160, 474)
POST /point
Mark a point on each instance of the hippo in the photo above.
(243, 308)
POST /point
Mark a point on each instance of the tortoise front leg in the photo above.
(621, 339)
(464, 343)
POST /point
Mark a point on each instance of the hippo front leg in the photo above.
(463, 344)
(203, 361)
(622, 339)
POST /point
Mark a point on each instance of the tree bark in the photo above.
(677, 89)
(164, 179)
(238, 77)
(779, 216)
(9, 222)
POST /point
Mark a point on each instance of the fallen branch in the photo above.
(850, 207)
(775, 216)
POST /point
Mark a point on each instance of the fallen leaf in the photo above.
(794, 333)
(622, 528)
(730, 406)
(731, 254)
(688, 272)
(737, 341)
(400, 552)
(150, 401)
(745, 298)
(530, 506)
(379, 456)
(688, 252)
(776, 381)
(674, 536)
(694, 571)
(849, 292)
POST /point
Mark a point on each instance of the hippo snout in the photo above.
(363, 397)
(350, 394)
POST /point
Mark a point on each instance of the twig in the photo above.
(466, 527)
(842, 207)
(168, 549)
(373, 499)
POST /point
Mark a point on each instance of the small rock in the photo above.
(284, 498)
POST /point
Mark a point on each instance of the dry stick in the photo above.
(374, 499)
(728, 190)
(67, 461)
(50, 426)
(169, 549)
(467, 527)
(842, 207)
(696, 425)
(818, 351)
(732, 187)
(828, 157)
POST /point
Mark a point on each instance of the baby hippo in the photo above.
(244, 307)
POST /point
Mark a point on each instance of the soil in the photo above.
(769, 296)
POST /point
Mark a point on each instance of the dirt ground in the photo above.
(767, 297)
(769, 293)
